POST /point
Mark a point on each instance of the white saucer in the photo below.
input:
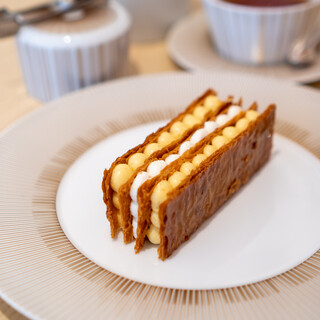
(267, 228)
(190, 46)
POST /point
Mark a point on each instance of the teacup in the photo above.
(259, 35)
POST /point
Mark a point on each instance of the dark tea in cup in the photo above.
(266, 3)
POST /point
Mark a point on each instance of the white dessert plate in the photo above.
(190, 46)
(269, 227)
(44, 276)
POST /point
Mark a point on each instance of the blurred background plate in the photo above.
(190, 46)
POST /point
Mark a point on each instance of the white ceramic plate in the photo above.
(190, 46)
(44, 276)
(270, 227)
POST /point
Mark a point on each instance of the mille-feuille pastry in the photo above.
(122, 172)
(169, 196)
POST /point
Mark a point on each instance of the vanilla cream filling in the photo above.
(161, 190)
(157, 166)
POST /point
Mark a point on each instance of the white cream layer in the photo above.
(157, 166)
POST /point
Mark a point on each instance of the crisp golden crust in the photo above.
(214, 182)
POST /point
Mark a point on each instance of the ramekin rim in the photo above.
(305, 6)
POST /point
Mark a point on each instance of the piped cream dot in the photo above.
(159, 194)
(120, 220)
(198, 135)
(155, 219)
(187, 167)
(135, 227)
(134, 208)
(115, 200)
(176, 178)
(190, 120)
(185, 146)
(178, 129)
(230, 132)
(212, 102)
(153, 234)
(242, 124)
(165, 139)
(200, 112)
(171, 158)
(218, 141)
(198, 159)
(136, 160)
(234, 111)
(209, 150)
(120, 175)
(151, 148)
(140, 179)
(155, 167)
(252, 115)
(222, 119)
(210, 126)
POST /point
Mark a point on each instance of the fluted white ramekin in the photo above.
(58, 56)
(259, 35)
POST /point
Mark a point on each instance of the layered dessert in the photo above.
(163, 189)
